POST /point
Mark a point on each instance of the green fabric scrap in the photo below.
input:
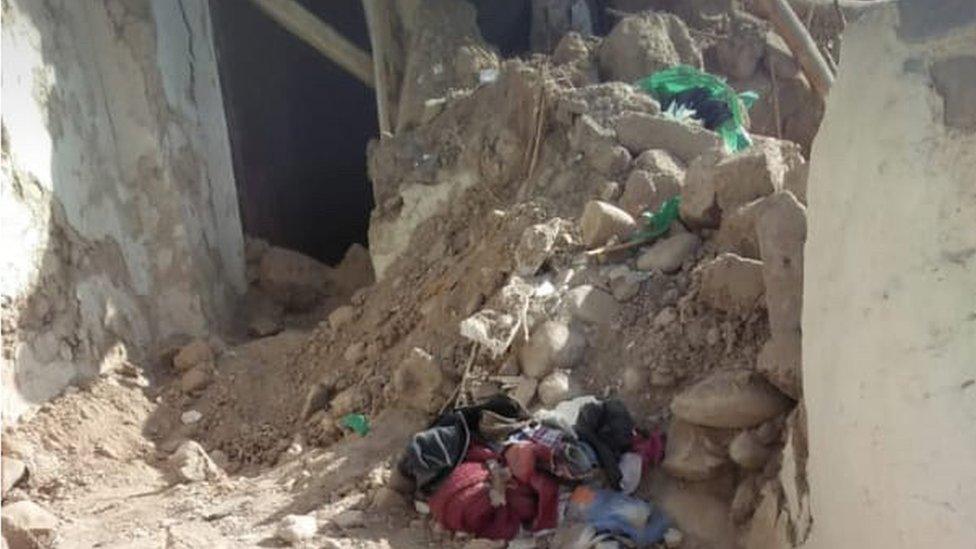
(357, 422)
(654, 224)
(663, 85)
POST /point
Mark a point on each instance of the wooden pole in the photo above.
(796, 36)
(378, 20)
(311, 30)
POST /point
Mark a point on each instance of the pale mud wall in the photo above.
(120, 225)
(889, 325)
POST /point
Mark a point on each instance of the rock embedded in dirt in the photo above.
(608, 191)
(190, 463)
(355, 352)
(660, 162)
(554, 388)
(13, 470)
(665, 317)
(738, 53)
(535, 246)
(592, 305)
(602, 221)
(694, 452)
(753, 173)
(748, 452)
(717, 184)
(352, 518)
(638, 132)
(646, 190)
(782, 230)
(730, 399)
(780, 361)
(294, 280)
(552, 345)
(669, 254)
(737, 233)
(190, 417)
(418, 379)
(28, 525)
(525, 390)
(642, 44)
(196, 352)
(296, 529)
(196, 379)
(732, 283)
(626, 286)
(341, 316)
(599, 146)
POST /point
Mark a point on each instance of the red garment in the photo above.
(650, 449)
(462, 502)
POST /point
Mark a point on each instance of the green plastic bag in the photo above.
(654, 224)
(663, 85)
(357, 422)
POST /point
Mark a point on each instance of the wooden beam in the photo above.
(379, 19)
(796, 36)
(314, 32)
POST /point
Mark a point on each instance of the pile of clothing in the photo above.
(495, 471)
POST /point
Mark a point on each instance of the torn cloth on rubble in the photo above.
(433, 453)
(608, 427)
(463, 502)
(615, 513)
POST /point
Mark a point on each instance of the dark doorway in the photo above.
(298, 128)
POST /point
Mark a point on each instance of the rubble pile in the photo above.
(503, 246)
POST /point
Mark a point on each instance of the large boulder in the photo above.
(732, 284)
(645, 190)
(717, 183)
(552, 345)
(599, 146)
(191, 463)
(748, 452)
(695, 453)
(669, 254)
(602, 221)
(737, 234)
(640, 131)
(591, 304)
(642, 44)
(730, 399)
(294, 280)
(782, 231)
(28, 525)
(554, 388)
(418, 379)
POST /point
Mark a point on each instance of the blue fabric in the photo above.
(616, 513)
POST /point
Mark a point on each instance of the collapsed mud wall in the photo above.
(120, 216)
(889, 324)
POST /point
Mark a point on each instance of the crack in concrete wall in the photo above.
(118, 188)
